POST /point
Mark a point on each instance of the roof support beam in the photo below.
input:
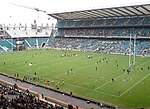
(126, 11)
(95, 14)
(60, 16)
(138, 10)
(83, 14)
(117, 12)
(56, 16)
(110, 13)
(130, 11)
(145, 8)
(103, 12)
(98, 13)
(123, 11)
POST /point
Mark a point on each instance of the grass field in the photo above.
(78, 74)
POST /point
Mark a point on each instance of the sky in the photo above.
(11, 14)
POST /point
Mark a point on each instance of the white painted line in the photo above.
(109, 82)
(119, 76)
(135, 84)
(91, 90)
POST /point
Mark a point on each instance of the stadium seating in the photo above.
(70, 23)
(61, 23)
(121, 21)
(42, 42)
(30, 42)
(142, 46)
(84, 44)
(100, 27)
(99, 32)
(99, 22)
(78, 23)
(105, 22)
(37, 42)
(146, 21)
(96, 45)
(96, 28)
(6, 45)
(12, 98)
(88, 23)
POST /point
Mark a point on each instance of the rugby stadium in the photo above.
(91, 59)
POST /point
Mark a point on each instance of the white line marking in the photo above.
(109, 81)
(75, 70)
(91, 90)
(135, 84)
(120, 76)
(106, 82)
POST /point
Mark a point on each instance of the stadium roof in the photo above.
(135, 10)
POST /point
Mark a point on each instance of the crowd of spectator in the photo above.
(129, 21)
(12, 98)
(89, 44)
(96, 45)
(106, 32)
(138, 26)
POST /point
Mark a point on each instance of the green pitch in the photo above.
(99, 77)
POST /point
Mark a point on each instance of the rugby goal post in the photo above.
(132, 52)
